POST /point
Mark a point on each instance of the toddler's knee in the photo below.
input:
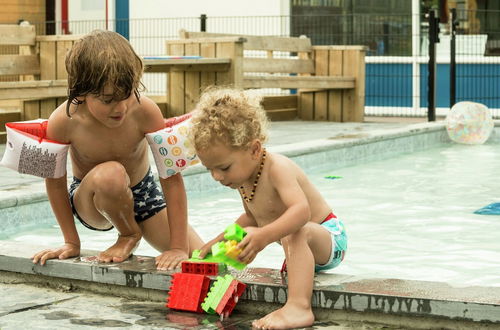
(112, 178)
(297, 237)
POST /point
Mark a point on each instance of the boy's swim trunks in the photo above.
(148, 199)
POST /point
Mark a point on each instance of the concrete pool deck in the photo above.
(78, 292)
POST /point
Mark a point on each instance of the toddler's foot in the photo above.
(121, 250)
(289, 316)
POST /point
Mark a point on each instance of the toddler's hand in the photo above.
(206, 249)
(68, 250)
(254, 242)
(170, 259)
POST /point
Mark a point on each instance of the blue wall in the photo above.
(390, 84)
(122, 17)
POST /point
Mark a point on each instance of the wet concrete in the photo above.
(32, 307)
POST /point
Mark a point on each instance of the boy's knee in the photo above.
(111, 177)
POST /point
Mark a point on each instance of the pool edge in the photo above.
(137, 278)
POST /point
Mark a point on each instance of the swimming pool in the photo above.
(409, 216)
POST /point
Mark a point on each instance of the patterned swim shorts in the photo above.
(148, 199)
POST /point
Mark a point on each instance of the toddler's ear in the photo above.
(255, 148)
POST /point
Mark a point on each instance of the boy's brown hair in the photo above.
(231, 116)
(101, 58)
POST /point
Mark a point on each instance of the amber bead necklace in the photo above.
(242, 189)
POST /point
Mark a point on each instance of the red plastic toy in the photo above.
(187, 292)
(203, 268)
(230, 298)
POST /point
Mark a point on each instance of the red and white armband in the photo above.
(27, 150)
(170, 146)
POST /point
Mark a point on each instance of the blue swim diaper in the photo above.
(339, 244)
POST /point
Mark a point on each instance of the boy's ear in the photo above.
(255, 148)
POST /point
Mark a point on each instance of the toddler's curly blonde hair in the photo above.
(229, 116)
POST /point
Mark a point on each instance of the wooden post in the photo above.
(184, 87)
(354, 65)
(321, 98)
(305, 103)
(343, 105)
(192, 80)
(48, 69)
(234, 51)
(335, 96)
(207, 49)
(176, 88)
(52, 52)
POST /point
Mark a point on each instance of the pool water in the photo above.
(407, 217)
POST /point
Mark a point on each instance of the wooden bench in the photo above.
(32, 73)
(330, 79)
(33, 78)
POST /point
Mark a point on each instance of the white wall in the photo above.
(86, 15)
(159, 17)
(81, 10)
(194, 8)
(154, 21)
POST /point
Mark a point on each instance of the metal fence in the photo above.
(396, 62)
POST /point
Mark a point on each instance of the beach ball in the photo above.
(469, 123)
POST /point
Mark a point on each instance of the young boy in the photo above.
(105, 121)
(281, 205)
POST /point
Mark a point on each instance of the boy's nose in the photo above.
(121, 106)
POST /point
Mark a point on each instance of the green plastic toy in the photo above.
(225, 252)
(234, 232)
(216, 293)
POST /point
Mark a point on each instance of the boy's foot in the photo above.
(121, 250)
(289, 316)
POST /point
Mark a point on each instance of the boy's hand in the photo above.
(170, 259)
(68, 250)
(254, 242)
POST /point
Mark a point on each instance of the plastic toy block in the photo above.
(231, 250)
(195, 257)
(209, 258)
(203, 268)
(234, 232)
(187, 292)
(220, 251)
(216, 293)
(223, 296)
(230, 298)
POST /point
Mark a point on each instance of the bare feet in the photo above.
(289, 316)
(122, 249)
